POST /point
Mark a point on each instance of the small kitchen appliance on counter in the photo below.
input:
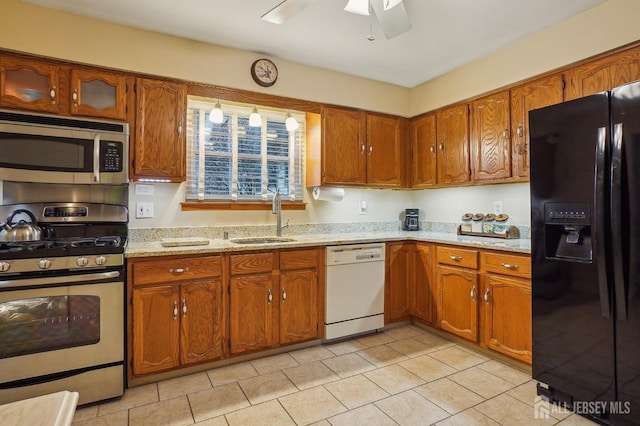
(411, 220)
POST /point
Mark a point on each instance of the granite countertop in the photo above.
(56, 409)
(155, 248)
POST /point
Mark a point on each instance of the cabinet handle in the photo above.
(441, 146)
(361, 148)
(175, 309)
(184, 308)
(370, 149)
(510, 266)
(284, 294)
(180, 129)
(456, 258)
(52, 94)
(179, 270)
(505, 133)
(269, 297)
(473, 293)
(74, 96)
(486, 297)
(520, 131)
(433, 149)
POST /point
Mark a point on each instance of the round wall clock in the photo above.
(264, 72)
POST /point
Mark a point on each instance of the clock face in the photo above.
(264, 72)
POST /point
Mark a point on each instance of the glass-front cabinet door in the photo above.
(98, 94)
(29, 84)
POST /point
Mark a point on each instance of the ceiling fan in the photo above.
(391, 14)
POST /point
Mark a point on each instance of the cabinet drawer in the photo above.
(506, 264)
(298, 259)
(171, 270)
(458, 257)
(252, 263)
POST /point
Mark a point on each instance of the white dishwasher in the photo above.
(354, 289)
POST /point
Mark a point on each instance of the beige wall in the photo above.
(604, 27)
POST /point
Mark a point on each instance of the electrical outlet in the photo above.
(363, 207)
(144, 210)
(498, 208)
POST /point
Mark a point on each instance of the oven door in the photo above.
(53, 329)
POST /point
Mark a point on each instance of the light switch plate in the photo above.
(144, 210)
(363, 207)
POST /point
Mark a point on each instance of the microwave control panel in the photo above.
(111, 156)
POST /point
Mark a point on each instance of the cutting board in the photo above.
(185, 241)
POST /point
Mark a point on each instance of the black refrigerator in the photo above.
(585, 217)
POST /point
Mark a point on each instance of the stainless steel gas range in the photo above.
(62, 298)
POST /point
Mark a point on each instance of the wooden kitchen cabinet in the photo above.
(408, 284)
(358, 148)
(177, 307)
(452, 132)
(98, 94)
(524, 98)
(29, 84)
(490, 138)
(506, 304)
(159, 146)
(603, 74)
(457, 289)
(273, 305)
(423, 151)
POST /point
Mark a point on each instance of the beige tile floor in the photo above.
(403, 376)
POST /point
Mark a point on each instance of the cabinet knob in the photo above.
(370, 149)
(520, 131)
(441, 146)
(432, 148)
(184, 308)
(361, 148)
(52, 94)
(175, 309)
(473, 293)
(180, 129)
(455, 258)
(269, 297)
(178, 270)
(505, 133)
(486, 296)
(284, 294)
(74, 97)
(510, 266)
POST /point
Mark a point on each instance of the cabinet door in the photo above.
(452, 129)
(98, 94)
(537, 94)
(159, 144)
(384, 151)
(343, 149)
(506, 319)
(155, 329)
(423, 151)
(298, 306)
(422, 297)
(397, 286)
(490, 141)
(458, 301)
(29, 84)
(201, 321)
(603, 74)
(251, 316)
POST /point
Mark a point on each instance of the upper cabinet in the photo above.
(423, 151)
(158, 149)
(29, 84)
(46, 87)
(536, 94)
(358, 148)
(452, 132)
(490, 141)
(603, 74)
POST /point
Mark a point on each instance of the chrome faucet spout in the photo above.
(276, 208)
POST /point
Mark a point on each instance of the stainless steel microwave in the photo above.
(55, 149)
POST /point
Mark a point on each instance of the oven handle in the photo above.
(59, 280)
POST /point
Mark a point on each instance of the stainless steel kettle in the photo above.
(23, 230)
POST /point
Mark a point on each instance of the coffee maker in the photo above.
(411, 220)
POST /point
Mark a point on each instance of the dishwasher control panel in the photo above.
(355, 253)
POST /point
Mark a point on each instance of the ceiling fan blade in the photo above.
(394, 21)
(285, 10)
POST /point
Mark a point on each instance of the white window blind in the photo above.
(235, 161)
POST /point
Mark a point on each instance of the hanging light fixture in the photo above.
(254, 119)
(216, 115)
(361, 7)
(291, 123)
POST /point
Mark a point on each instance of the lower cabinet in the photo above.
(177, 312)
(273, 303)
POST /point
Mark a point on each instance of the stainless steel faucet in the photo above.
(276, 208)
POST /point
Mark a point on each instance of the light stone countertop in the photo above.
(155, 248)
(56, 409)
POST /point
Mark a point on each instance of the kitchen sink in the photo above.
(261, 240)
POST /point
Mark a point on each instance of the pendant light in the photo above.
(216, 115)
(361, 7)
(254, 119)
(291, 123)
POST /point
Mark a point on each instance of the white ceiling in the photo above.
(445, 34)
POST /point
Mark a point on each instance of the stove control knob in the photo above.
(101, 260)
(44, 264)
(4, 266)
(82, 261)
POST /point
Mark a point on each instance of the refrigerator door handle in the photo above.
(600, 244)
(616, 223)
